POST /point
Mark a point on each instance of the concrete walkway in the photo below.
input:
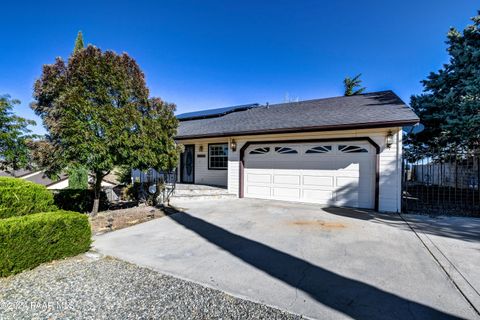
(455, 244)
(320, 263)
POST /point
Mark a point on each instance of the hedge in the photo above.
(27, 241)
(80, 200)
(19, 197)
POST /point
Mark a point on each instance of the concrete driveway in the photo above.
(328, 263)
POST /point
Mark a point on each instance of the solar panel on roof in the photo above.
(214, 112)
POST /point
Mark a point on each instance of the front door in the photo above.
(187, 164)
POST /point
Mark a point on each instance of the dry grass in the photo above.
(106, 221)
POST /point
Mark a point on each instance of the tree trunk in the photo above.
(97, 191)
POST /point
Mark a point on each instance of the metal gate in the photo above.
(441, 182)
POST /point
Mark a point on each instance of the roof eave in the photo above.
(369, 125)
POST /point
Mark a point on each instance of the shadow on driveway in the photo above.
(461, 228)
(348, 296)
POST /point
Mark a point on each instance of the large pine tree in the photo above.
(449, 108)
(78, 42)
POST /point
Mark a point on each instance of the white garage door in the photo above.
(337, 174)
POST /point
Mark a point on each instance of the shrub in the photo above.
(80, 200)
(78, 177)
(19, 197)
(30, 240)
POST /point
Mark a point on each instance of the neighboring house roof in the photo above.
(370, 110)
(15, 173)
(42, 179)
(33, 176)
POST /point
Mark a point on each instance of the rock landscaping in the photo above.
(92, 287)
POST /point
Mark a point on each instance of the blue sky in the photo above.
(210, 54)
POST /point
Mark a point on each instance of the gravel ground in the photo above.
(93, 287)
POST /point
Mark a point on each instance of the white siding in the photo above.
(203, 175)
(390, 171)
(234, 170)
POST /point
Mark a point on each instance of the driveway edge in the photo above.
(455, 276)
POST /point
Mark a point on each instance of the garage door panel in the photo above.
(317, 196)
(259, 178)
(320, 164)
(286, 179)
(333, 176)
(258, 191)
(286, 193)
(323, 181)
(258, 165)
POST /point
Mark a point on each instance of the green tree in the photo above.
(449, 107)
(47, 156)
(158, 126)
(45, 153)
(78, 174)
(14, 135)
(78, 42)
(97, 112)
(353, 85)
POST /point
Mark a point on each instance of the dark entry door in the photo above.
(188, 164)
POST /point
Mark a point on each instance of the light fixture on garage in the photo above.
(389, 141)
(233, 145)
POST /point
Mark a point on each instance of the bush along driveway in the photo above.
(33, 230)
(326, 264)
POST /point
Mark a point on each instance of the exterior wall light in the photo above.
(200, 148)
(389, 140)
(233, 145)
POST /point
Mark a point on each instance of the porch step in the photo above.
(196, 192)
(181, 193)
(182, 190)
(175, 199)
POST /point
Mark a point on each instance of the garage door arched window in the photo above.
(285, 150)
(218, 156)
(319, 149)
(352, 149)
(262, 150)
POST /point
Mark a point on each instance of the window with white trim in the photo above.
(218, 156)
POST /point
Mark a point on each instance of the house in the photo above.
(340, 151)
(39, 177)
